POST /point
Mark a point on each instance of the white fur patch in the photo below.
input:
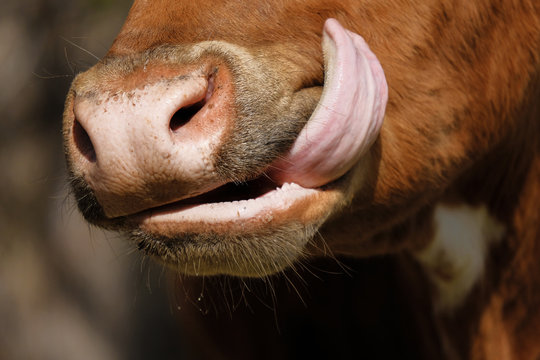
(455, 260)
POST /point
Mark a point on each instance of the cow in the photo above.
(244, 140)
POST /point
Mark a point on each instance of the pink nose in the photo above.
(150, 145)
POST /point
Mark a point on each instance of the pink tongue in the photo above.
(349, 115)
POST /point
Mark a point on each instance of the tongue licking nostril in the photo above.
(349, 115)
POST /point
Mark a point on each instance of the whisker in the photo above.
(80, 48)
(67, 61)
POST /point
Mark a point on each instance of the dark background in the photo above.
(67, 291)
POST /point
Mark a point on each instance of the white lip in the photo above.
(287, 201)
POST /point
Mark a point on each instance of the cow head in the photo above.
(222, 136)
(221, 143)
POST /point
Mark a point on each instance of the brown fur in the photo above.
(461, 125)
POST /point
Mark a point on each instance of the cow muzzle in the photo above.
(209, 140)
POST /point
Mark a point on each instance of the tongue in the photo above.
(348, 117)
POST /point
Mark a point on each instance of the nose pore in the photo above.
(140, 148)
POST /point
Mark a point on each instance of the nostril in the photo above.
(183, 115)
(82, 142)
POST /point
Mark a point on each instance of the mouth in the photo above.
(235, 209)
(250, 229)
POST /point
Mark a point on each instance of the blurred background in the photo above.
(67, 291)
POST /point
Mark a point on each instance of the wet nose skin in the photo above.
(150, 145)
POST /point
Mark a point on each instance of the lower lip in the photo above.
(288, 203)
